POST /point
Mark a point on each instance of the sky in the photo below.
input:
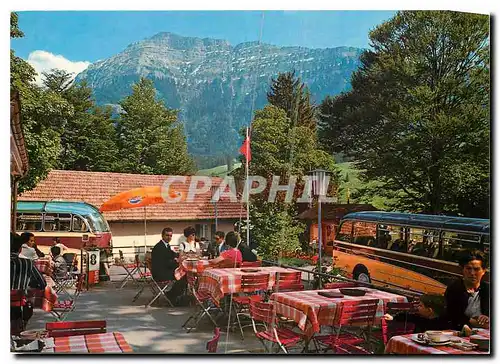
(71, 40)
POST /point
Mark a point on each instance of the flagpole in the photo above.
(248, 188)
(145, 237)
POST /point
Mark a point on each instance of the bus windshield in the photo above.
(98, 223)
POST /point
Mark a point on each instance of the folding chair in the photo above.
(288, 281)
(263, 313)
(130, 269)
(143, 279)
(203, 301)
(212, 344)
(159, 288)
(73, 328)
(352, 313)
(64, 282)
(72, 261)
(249, 284)
(62, 308)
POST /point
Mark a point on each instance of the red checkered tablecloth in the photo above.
(193, 266)
(405, 345)
(221, 281)
(111, 342)
(44, 265)
(310, 310)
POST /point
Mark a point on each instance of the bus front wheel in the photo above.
(361, 274)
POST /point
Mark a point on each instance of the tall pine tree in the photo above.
(290, 94)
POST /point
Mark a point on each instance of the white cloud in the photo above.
(44, 61)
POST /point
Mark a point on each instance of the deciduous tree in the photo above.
(151, 140)
(417, 118)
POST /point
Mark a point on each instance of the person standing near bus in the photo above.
(468, 298)
(57, 242)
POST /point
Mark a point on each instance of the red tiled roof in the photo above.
(97, 187)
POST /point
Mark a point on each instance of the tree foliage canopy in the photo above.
(65, 129)
(417, 118)
(282, 146)
(289, 93)
(150, 138)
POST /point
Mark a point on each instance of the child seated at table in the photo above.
(429, 315)
(60, 264)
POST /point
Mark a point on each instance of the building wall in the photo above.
(328, 230)
(129, 236)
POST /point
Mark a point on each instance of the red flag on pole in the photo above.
(245, 149)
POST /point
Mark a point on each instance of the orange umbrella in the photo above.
(137, 197)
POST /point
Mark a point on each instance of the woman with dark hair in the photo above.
(29, 249)
(190, 246)
(468, 298)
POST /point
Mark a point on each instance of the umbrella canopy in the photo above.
(137, 197)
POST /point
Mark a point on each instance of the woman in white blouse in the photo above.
(29, 249)
(190, 246)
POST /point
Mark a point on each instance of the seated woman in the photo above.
(233, 254)
(467, 299)
(29, 249)
(190, 247)
(429, 315)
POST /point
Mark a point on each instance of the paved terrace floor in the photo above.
(154, 330)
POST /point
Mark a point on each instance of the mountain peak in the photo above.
(216, 86)
(181, 42)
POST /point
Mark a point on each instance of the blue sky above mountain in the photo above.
(72, 40)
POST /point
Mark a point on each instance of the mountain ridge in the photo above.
(212, 83)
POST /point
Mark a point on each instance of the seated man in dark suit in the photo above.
(163, 258)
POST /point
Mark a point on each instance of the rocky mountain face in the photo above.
(214, 85)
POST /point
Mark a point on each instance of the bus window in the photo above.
(29, 222)
(423, 242)
(455, 243)
(57, 222)
(364, 233)
(345, 231)
(390, 237)
(79, 224)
